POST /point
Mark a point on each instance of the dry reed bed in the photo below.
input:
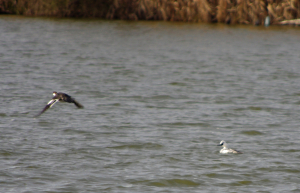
(223, 11)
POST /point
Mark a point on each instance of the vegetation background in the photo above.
(222, 11)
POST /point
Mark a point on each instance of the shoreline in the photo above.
(253, 12)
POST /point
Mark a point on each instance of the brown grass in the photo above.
(222, 11)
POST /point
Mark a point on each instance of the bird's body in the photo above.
(226, 149)
(60, 97)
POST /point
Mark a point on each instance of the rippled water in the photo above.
(158, 98)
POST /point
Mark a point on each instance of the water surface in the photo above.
(158, 98)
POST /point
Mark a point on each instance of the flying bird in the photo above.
(226, 149)
(61, 97)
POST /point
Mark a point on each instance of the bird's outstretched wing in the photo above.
(49, 105)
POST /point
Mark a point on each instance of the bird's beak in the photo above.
(220, 145)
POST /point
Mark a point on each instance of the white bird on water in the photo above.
(226, 149)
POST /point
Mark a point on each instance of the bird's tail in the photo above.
(77, 104)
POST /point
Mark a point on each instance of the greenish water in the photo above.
(158, 98)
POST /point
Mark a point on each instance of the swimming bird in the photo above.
(226, 149)
(61, 97)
